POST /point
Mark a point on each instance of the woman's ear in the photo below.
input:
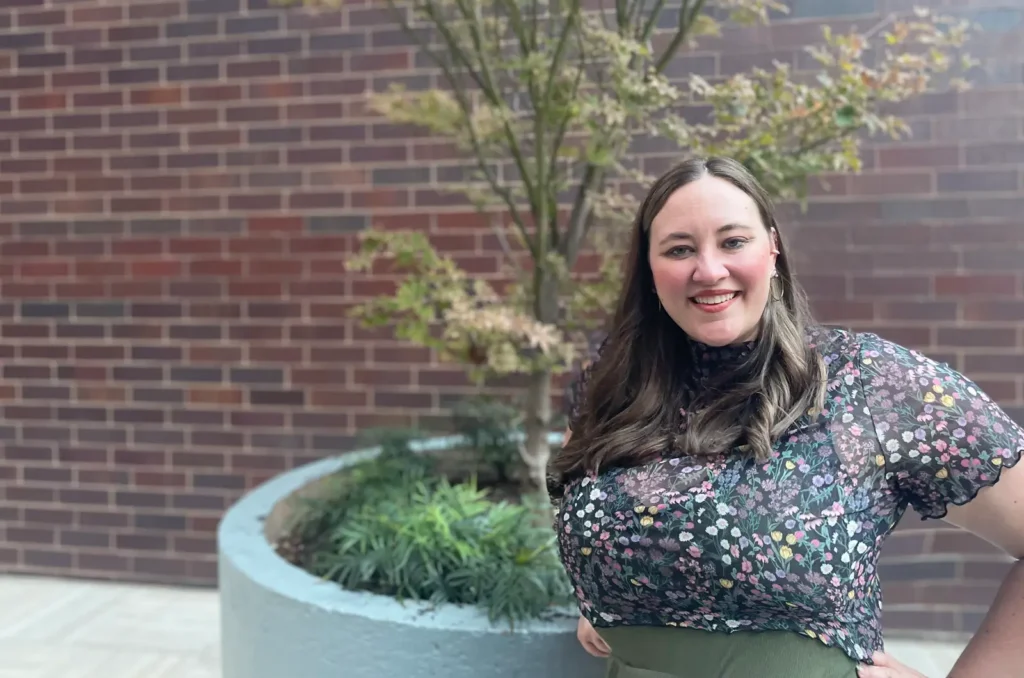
(775, 242)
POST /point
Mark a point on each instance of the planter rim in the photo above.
(241, 540)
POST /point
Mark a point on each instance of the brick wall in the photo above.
(179, 185)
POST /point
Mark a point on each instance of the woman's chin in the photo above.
(717, 334)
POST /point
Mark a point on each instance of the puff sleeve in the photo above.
(942, 438)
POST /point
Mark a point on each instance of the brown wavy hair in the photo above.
(630, 397)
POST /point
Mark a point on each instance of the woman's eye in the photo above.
(679, 251)
(735, 243)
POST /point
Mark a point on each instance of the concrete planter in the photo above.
(278, 621)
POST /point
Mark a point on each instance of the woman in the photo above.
(731, 470)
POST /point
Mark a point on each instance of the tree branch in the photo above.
(582, 209)
(465, 106)
(491, 92)
(686, 21)
(652, 20)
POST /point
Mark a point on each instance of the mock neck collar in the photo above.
(707, 359)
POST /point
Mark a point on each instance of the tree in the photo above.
(546, 99)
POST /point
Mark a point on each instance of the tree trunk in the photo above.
(535, 450)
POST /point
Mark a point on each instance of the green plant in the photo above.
(493, 430)
(430, 540)
(547, 98)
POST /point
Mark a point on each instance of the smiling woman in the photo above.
(711, 257)
(732, 469)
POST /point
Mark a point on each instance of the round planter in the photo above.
(278, 621)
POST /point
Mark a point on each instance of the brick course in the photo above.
(180, 183)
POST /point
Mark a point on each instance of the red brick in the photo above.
(890, 183)
(215, 267)
(970, 285)
(282, 224)
(155, 268)
(918, 156)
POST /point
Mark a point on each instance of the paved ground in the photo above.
(59, 628)
(55, 628)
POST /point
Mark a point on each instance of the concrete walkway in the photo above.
(61, 628)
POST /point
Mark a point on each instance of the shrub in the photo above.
(427, 539)
(393, 526)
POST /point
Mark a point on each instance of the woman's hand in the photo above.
(887, 667)
(591, 642)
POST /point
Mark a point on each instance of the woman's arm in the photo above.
(997, 515)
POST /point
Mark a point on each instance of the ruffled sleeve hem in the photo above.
(940, 508)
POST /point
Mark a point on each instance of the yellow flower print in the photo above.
(810, 633)
(653, 510)
(634, 582)
(937, 388)
(868, 361)
(879, 460)
(947, 401)
(790, 465)
(639, 509)
(647, 521)
(777, 536)
(791, 539)
(586, 550)
(726, 583)
(786, 552)
(997, 461)
(850, 595)
(942, 473)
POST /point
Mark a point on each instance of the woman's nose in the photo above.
(709, 269)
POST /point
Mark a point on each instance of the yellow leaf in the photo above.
(705, 25)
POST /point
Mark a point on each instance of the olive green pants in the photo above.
(671, 652)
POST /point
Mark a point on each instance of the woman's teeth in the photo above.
(717, 299)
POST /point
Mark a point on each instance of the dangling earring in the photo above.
(774, 286)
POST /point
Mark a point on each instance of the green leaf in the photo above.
(846, 116)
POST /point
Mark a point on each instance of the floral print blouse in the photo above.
(728, 544)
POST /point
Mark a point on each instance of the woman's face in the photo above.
(712, 259)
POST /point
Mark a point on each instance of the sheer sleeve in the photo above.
(942, 438)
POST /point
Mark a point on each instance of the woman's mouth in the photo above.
(714, 303)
